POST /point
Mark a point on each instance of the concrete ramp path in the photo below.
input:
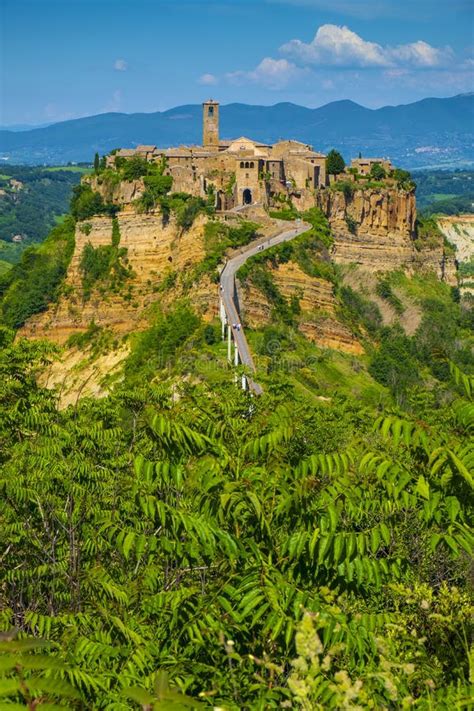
(288, 231)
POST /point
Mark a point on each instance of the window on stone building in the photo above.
(242, 165)
(211, 111)
(251, 164)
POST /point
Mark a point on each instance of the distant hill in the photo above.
(427, 133)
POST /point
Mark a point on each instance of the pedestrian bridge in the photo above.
(238, 351)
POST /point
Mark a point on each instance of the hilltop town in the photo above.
(243, 171)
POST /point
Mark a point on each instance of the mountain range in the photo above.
(428, 133)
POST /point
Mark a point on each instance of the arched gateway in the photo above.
(247, 197)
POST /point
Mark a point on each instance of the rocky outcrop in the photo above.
(154, 251)
(380, 212)
(459, 231)
(383, 232)
(317, 320)
(122, 193)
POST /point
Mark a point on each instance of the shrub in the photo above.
(394, 364)
(242, 235)
(86, 202)
(158, 184)
(157, 347)
(377, 171)
(97, 338)
(263, 280)
(345, 187)
(115, 232)
(211, 334)
(428, 234)
(351, 224)
(169, 280)
(86, 228)
(320, 226)
(359, 310)
(284, 214)
(103, 264)
(229, 187)
(187, 208)
(436, 338)
(403, 179)
(384, 290)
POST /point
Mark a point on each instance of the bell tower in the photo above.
(210, 124)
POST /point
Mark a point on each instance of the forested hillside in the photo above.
(31, 202)
(445, 192)
(178, 543)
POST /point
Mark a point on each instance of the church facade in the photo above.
(237, 172)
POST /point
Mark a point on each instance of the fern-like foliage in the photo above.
(167, 552)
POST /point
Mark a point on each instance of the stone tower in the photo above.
(210, 124)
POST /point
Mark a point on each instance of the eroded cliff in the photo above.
(376, 229)
(318, 319)
(154, 252)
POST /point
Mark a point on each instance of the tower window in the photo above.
(242, 165)
(251, 164)
(211, 111)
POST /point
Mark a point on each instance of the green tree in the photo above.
(377, 171)
(96, 163)
(134, 168)
(334, 163)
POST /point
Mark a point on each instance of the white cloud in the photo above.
(120, 65)
(341, 47)
(208, 79)
(420, 54)
(271, 73)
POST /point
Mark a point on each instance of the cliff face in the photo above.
(153, 251)
(383, 237)
(377, 212)
(122, 193)
(459, 231)
(317, 321)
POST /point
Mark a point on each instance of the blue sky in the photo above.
(62, 59)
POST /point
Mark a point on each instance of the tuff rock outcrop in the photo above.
(318, 320)
(154, 251)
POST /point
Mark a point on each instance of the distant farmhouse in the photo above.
(240, 171)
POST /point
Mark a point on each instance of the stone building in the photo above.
(364, 165)
(238, 172)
